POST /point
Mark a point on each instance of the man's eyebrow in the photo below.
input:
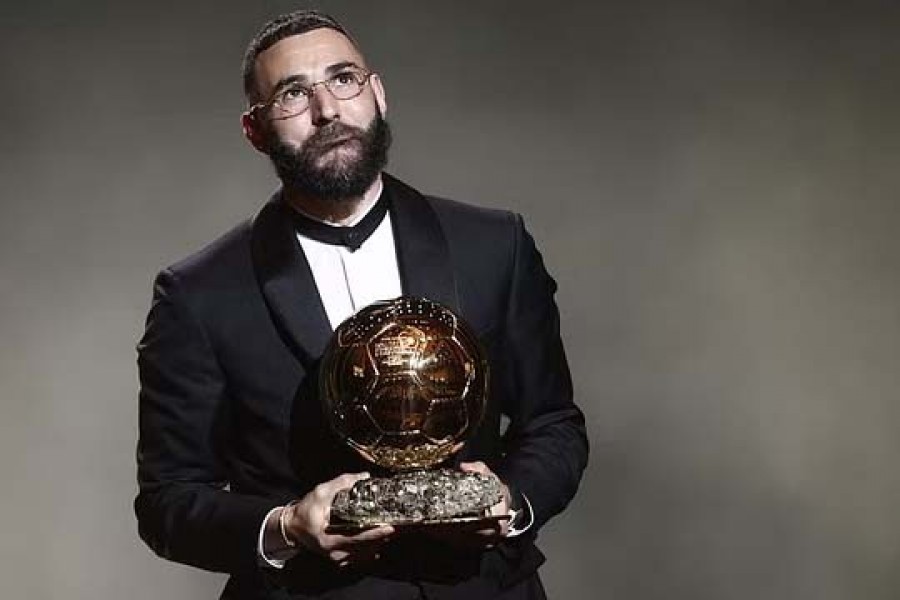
(289, 80)
(303, 79)
(344, 64)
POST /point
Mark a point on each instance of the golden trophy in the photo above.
(404, 383)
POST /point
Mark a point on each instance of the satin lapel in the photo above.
(287, 283)
(422, 252)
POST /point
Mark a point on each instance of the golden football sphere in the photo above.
(404, 382)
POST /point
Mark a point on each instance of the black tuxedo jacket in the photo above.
(230, 426)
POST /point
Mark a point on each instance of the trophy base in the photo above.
(335, 527)
(418, 499)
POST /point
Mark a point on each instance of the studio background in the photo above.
(713, 185)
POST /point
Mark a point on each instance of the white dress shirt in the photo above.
(349, 280)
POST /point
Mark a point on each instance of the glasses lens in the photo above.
(345, 85)
(292, 100)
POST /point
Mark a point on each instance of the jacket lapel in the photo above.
(287, 282)
(423, 256)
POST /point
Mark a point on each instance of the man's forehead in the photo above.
(308, 54)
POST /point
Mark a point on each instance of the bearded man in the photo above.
(236, 466)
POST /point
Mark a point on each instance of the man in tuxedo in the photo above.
(236, 465)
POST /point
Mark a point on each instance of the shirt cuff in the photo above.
(275, 558)
(518, 517)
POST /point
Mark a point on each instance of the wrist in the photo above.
(287, 537)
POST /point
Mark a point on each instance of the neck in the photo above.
(346, 211)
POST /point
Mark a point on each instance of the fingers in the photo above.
(474, 536)
(379, 534)
(482, 469)
(341, 557)
(373, 535)
(324, 493)
(502, 507)
(306, 519)
(327, 490)
(361, 548)
(476, 467)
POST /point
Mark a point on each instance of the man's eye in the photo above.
(293, 94)
(344, 78)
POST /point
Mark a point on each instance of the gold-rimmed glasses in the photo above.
(292, 98)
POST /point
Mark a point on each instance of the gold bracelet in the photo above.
(291, 543)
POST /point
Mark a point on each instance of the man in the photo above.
(236, 466)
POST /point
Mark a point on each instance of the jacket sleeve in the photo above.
(185, 512)
(545, 445)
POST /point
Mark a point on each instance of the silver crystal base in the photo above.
(416, 497)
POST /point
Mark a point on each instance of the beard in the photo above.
(347, 173)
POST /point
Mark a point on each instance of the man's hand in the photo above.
(305, 522)
(477, 536)
(501, 508)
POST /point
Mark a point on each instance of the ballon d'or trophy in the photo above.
(404, 383)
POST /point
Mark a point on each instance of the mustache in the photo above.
(334, 132)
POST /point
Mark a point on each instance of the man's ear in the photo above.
(252, 128)
(378, 88)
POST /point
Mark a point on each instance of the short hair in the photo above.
(283, 26)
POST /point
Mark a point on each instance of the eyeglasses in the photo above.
(293, 99)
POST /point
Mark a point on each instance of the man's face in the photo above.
(335, 148)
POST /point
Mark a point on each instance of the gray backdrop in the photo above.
(712, 184)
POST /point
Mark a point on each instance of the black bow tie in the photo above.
(352, 237)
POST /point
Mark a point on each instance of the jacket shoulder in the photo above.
(225, 259)
(470, 220)
(225, 249)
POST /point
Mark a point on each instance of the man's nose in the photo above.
(323, 105)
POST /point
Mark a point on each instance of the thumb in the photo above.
(475, 467)
(347, 480)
